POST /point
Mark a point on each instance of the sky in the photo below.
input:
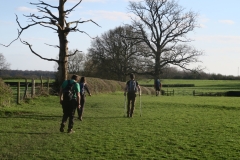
(218, 35)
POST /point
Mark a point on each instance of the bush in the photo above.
(6, 94)
(97, 85)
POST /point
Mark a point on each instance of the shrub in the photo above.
(97, 85)
(6, 94)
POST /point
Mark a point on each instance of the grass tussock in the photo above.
(5, 94)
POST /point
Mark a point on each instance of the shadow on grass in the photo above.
(34, 116)
(49, 117)
(111, 117)
(20, 132)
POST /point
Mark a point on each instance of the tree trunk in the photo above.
(63, 43)
(157, 64)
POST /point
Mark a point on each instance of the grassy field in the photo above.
(171, 127)
(200, 85)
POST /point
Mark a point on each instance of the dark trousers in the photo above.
(82, 102)
(131, 96)
(69, 109)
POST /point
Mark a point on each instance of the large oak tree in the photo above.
(115, 56)
(163, 26)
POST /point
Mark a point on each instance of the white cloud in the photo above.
(230, 22)
(134, 0)
(26, 9)
(109, 15)
(6, 23)
(220, 39)
(203, 20)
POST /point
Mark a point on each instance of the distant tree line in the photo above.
(8, 74)
(170, 73)
(174, 73)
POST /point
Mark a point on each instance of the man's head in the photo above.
(74, 77)
(132, 76)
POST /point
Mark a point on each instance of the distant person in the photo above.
(69, 103)
(157, 86)
(131, 89)
(84, 87)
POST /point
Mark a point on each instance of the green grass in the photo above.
(200, 85)
(176, 127)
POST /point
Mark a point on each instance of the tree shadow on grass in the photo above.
(111, 117)
(20, 132)
(33, 116)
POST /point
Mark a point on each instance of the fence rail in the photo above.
(23, 90)
(167, 92)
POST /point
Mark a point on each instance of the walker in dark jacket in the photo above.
(130, 91)
(69, 107)
(84, 88)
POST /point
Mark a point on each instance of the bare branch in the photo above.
(77, 22)
(19, 32)
(55, 46)
(30, 47)
(73, 53)
(48, 12)
(45, 4)
(70, 10)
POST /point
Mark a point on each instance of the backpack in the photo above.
(81, 88)
(68, 91)
(132, 86)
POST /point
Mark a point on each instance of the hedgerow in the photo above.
(6, 94)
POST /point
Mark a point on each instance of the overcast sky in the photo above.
(218, 37)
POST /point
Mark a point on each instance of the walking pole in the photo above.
(140, 103)
(125, 106)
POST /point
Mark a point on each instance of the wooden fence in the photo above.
(29, 88)
(167, 92)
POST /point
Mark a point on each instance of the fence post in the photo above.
(26, 88)
(33, 88)
(41, 82)
(48, 84)
(18, 93)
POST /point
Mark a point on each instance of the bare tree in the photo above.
(3, 63)
(76, 62)
(59, 25)
(117, 56)
(163, 26)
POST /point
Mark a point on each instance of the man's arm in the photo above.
(78, 94)
(78, 99)
(86, 87)
(60, 95)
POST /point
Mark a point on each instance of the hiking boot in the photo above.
(61, 129)
(71, 131)
(80, 118)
